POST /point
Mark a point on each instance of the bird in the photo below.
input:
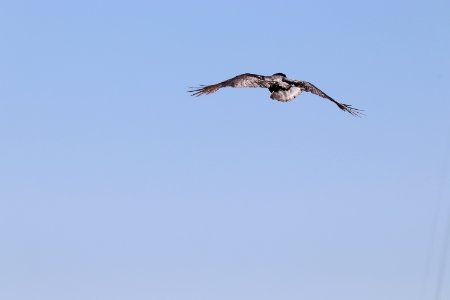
(281, 88)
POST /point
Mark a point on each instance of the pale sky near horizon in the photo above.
(116, 184)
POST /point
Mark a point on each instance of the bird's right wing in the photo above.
(243, 80)
(311, 88)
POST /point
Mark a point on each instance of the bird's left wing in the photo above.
(311, 88)
(243, 80)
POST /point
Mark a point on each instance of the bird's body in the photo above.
(281, 88)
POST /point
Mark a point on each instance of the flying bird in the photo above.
(281, 88)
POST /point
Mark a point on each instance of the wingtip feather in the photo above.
(352, 110)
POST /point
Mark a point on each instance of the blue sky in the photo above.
(116, 184)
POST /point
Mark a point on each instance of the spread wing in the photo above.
(243, 80)
(309, 87)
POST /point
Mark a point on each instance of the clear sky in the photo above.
(116, 184)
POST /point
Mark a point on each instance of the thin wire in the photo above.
(434, 233)
(445, 246)
(443, 259)
(431, 245)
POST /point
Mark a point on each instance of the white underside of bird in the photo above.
(286, 95)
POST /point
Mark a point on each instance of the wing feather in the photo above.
(311, 88)
(243, 80)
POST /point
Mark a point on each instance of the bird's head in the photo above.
(279, 74)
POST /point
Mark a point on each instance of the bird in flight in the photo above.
(281, 88)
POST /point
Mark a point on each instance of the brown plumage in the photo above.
(281, 88)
